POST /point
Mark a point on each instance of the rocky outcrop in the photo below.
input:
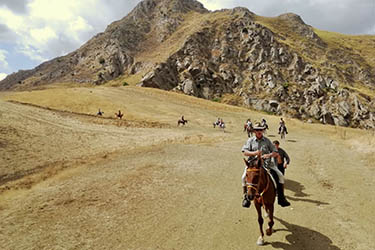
(245, 58)
(296, 24)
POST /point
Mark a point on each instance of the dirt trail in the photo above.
(125, 187)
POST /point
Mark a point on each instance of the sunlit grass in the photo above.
(363, 45)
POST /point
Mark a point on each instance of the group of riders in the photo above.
(118, 114)
(249, 126)
(274, 158)
(263, 177)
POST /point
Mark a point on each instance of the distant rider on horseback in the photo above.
(282, 125)
(261, 146)
(264, 124)
(218, 121)
(249, 123)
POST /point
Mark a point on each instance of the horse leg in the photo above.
(269, 210)
(260, 240)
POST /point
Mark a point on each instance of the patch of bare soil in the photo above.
(70, 180)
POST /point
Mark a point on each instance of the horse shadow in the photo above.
(295, 187)
(289, 140)
(302, 238)
(274, 136)
(298, 190)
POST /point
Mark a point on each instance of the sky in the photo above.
(34, 31)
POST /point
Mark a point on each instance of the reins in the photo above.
(260, 199)
(256, 186)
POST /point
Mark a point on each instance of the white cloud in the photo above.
(216, 5)
(2, 76)
(42, 36)
(77, 26)
(7, 17)
(53, 9)
(50, 21)
(33, 53)
(3, 60)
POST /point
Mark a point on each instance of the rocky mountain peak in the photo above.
(299, 26)
(293, 18)
(149, 7)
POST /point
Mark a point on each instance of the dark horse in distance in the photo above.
(283, 131)
(182, 121)
(119, 114)
(261, 190)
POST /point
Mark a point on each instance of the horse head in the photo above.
(253, 177)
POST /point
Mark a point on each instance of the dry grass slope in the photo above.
(92, 183)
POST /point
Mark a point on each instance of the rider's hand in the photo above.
(258, 153)
(266, 156)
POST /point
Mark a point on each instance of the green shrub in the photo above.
(125, 84)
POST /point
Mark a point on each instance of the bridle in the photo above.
(258, 196)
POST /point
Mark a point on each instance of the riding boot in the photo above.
(281, 197)
(246, 202)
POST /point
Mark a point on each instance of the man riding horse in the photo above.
(258, 147)
(282, 126)
(119, 114)
(248, 127)
(182, 121)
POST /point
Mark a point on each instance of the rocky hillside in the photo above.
(279, 65)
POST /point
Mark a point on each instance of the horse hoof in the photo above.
(260, 241)
(269, 232)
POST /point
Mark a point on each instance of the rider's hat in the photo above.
(258, 126)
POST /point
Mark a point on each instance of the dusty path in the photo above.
(177, 188)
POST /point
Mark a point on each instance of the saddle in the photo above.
(274, 177)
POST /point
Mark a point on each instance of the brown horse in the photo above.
(261, 190)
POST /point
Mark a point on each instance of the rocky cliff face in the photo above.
(278, 65)
(246, 59)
